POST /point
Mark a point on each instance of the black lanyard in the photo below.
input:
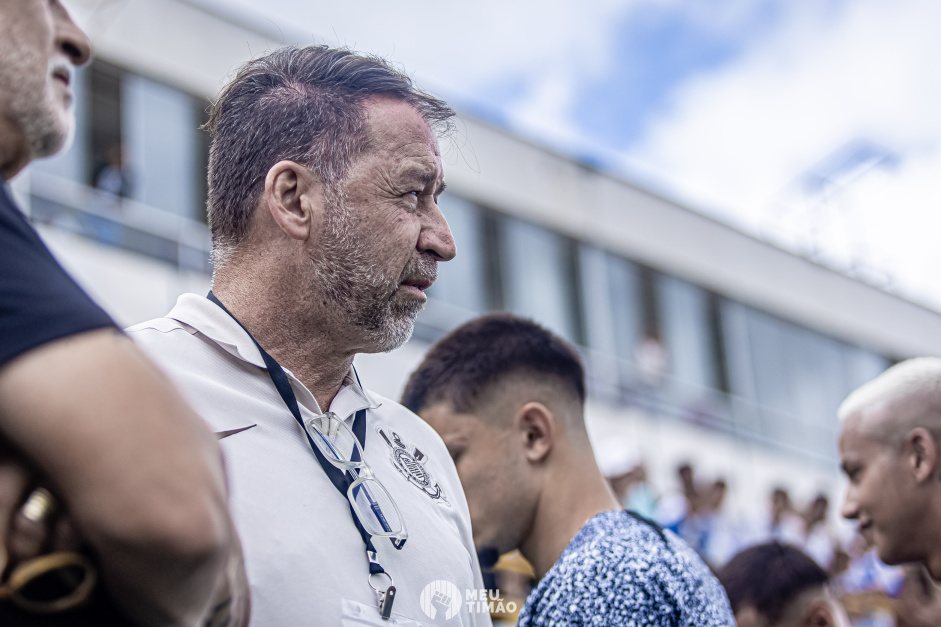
(341, 480)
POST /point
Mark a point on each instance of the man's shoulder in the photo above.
(617, 541)
(397, 415)
(165, 340)
(627, 568)
(39, 301)
(150, 329)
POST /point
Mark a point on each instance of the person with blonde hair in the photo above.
(890, 443)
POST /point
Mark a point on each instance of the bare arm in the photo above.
(139, 474)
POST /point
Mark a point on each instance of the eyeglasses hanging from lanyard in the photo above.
(374, 511)
(371, 502)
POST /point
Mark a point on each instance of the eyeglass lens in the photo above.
(375, 508)
(334, 439)
(372, 503)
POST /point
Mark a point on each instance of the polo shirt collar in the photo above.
(212, 321)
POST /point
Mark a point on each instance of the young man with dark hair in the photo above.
(507, 398)
(324, 177)
(776, 585)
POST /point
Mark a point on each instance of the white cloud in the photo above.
(734, 139)
(460, 46)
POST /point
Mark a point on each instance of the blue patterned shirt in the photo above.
(620, 570)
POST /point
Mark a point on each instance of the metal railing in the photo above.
(185, 243)
(119, 222)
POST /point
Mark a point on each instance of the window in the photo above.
(461, 281)
(160, 127)
(862, 366)
(687, 333)
(538, 276)
(796, 377)
(138, 139)
(627, 306)
(105, 134)
(598, 314)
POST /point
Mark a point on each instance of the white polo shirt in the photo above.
(306, 561)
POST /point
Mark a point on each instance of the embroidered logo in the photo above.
(411, 463)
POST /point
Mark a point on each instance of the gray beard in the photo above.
(356, 286)
(32, 106)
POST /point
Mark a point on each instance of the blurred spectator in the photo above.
(651, 357)
(819, 542)
(776, 585)
(674, 508)
(868, 585)
(785, 525)
(634, 491)
(716, 533)
(113, 177)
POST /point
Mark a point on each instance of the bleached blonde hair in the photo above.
(912, 386)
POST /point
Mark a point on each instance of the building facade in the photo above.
(703, 345)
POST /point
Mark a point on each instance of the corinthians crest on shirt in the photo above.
(411, 463)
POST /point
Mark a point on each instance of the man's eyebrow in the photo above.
(424, 177)
(441, 187)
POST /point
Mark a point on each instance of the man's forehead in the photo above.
(447, 422)
(881, 421)
(395, 120)
(858, 441)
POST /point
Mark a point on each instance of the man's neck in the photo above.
(280, 324)
(933, 560)
(14, 155)
(572, 497)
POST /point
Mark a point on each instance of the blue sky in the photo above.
(727, 105)
(657, 47)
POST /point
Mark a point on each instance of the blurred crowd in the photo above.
(873, 594)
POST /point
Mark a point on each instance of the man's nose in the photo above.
(849, 509)
(436, 238)
(70, 39)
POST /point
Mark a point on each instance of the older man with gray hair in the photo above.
(890, 444)
(324, 177)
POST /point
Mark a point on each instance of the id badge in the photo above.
(356, 614)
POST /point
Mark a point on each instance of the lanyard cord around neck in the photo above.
(340, 480)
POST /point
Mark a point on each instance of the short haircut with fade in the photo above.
(464, 364)
(305, 105)
(770, 577)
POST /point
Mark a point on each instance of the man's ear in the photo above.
(923, 454)
(294, 197)
(749, 617)
(538, 428)
(819, 614)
